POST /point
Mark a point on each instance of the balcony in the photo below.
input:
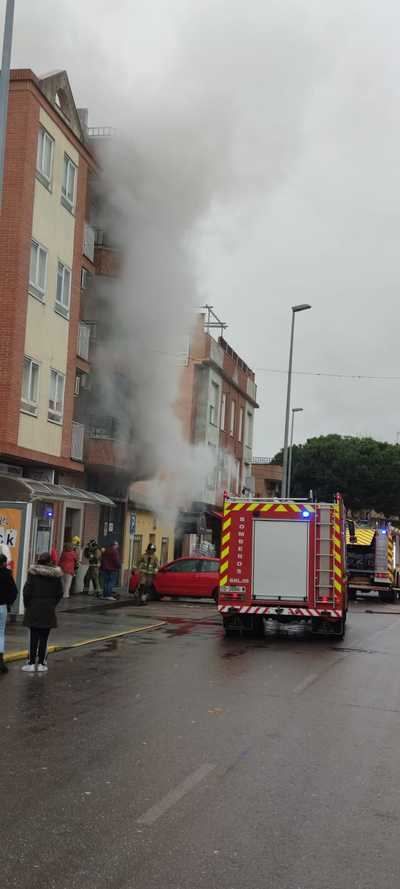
(77, 441)
(83, 343)
(88, 242)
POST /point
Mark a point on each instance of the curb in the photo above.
(11, 656)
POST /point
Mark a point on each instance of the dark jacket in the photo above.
(110, 560)
(8, 589)
(42, 593)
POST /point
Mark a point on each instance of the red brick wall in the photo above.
(15, 242)
(107, 261)
(90, 523)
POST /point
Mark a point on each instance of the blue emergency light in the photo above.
(306, 514)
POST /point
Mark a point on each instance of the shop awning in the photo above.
(26, 490)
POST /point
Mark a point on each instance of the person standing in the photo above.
(42, 592)
(92, 553)
(8, 595)
(110, 565)
(68, 564)
(148, 567)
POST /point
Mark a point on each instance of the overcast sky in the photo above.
(291, 110)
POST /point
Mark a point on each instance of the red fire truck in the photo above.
(283, 560)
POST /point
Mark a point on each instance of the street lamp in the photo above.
(301, 308)
(295, 410)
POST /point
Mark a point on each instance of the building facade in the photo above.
(217, 404)
(267, 478)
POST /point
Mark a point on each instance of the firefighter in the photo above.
(92, 553)
(148, 567)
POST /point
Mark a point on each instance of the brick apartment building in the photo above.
(217, 402)
(47, 258)
(267, 478)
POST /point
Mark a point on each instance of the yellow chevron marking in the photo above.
(252, 507)
(337, 528)
(281, 508)
(227, 506)
(225, 552)
(267, 507)
(227, 523)
(338, 586)
(224, 567)
(309, 508)
(226, 538)
(238, 506)
(223, 580)
(338, 570)
(294, 507)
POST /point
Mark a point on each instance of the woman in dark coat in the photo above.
(8, 595)
(42, 593)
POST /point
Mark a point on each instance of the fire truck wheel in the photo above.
(387, 596)
(231, 629)
(258, 628)
(340, 629)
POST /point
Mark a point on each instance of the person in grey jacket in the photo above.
(42, 593)
(8, 595)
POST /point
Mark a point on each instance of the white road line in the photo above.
(175, 795)
(306, 682)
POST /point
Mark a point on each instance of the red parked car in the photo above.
(194, 576)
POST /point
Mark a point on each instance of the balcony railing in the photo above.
(262, 460)
(83, 344)
(88, 242)
(100, 132)
(77, 441)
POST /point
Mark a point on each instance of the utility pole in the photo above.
(303, 307)
(4, 86)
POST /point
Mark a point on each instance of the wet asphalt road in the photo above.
(181, 760)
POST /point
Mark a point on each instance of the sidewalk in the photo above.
(82, 620)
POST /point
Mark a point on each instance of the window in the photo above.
(223, 410)
(30, 387)
(38, 270)
(232, 426)
(137, 549)
(249, 431)
(68, 186)
(63, 289)
(56, 396)
(241, 418)
(45, 153)
(209, 565)
(184, 566)
(213, 409)
(164, 550)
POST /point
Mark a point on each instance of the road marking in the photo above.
(65, 646)
(175, 795)
(306, 682)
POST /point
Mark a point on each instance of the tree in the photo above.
(366, 472)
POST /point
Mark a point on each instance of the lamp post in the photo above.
(300, 308)
(295, 410)
(4, 85)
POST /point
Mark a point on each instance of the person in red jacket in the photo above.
(68, 564)
(110, 565)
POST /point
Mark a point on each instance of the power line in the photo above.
(311, 373)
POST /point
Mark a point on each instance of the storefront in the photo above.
(36, 517)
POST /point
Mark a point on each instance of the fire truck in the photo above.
(283, 560)
(373, 560)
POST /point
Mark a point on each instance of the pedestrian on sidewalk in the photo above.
(68, 564)
(110, 565)
(42, 592)
(8, 595)
(92, 553)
